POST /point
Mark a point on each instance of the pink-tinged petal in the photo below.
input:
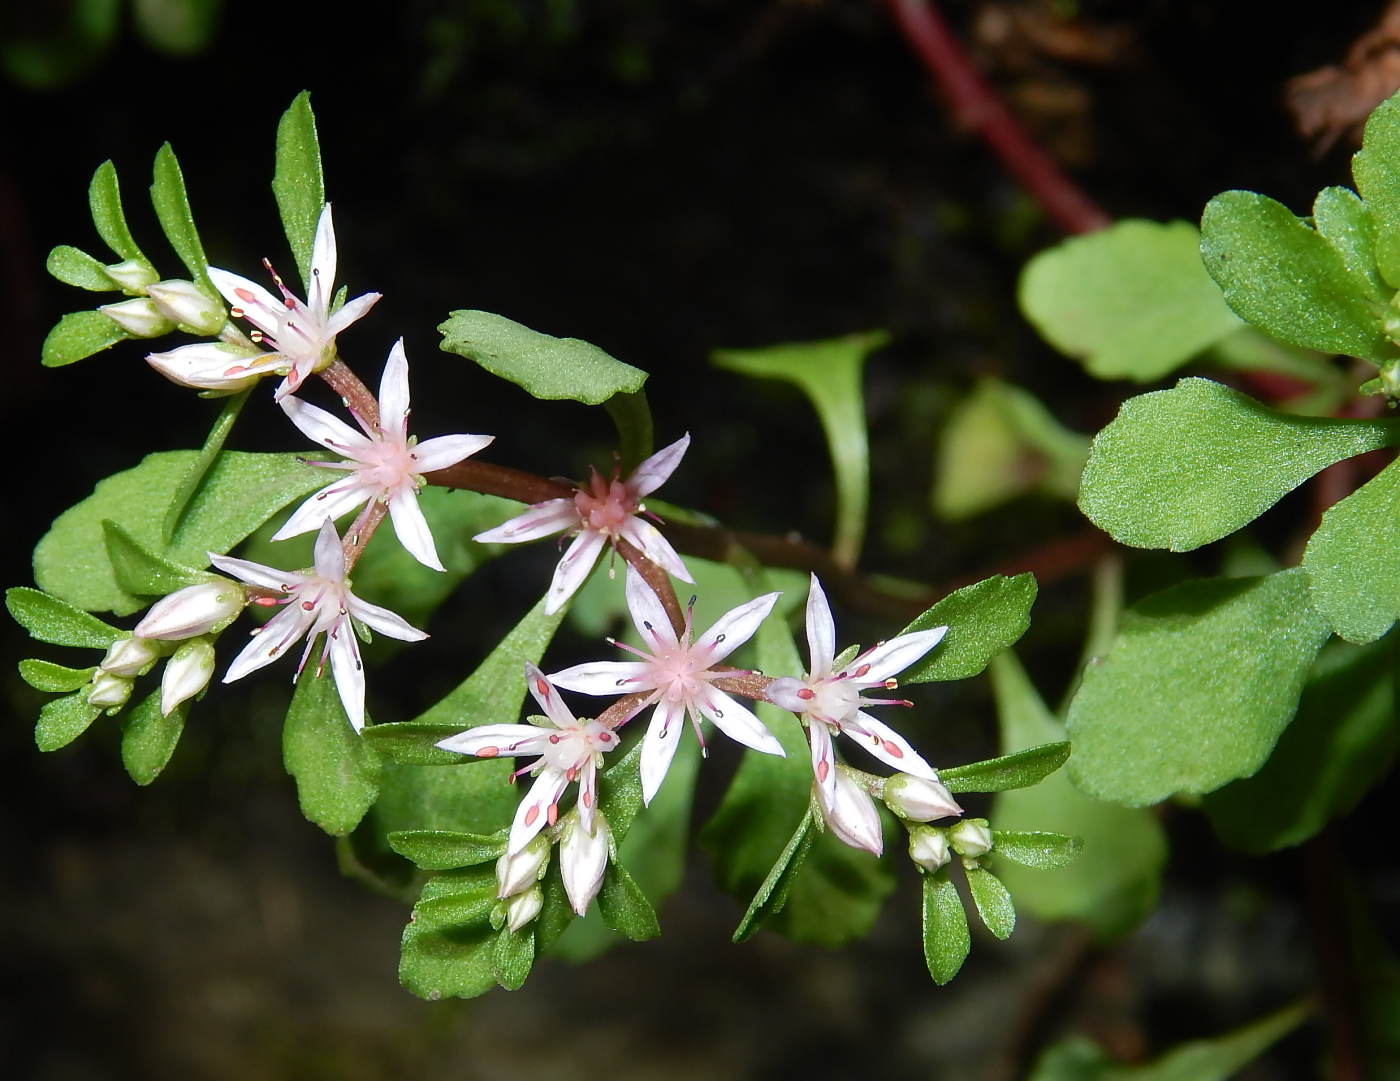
(547, 695)
(382, 620)
(821, 630)
(648, 614)
(444, 450)
(573, 570)
(823, 759)
(393, 393)
(654, 546)
(412, 528)
(336, 499)
(277, 635)
(351, 311)
(652, 473)
(659, 745)
(852, 816)
(734, 628)
(606, 677)
(505, 740)
(587, 794)
(348, 671)
(323, 260)
(738, 722)
(887, 745)
(326, 429)
(533, 813)
(785, 693)
(330, 556)
(255, 574)
(541, 520)
(888, 658)
(258, 306)
(583, 859)
(212, 366)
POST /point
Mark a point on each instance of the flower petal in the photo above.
(852, 815)
(349, 672)
(783, 693)
(541, 520)
(393, 393)
(350, 312)
(325, 428)
(286, 627)
(323, 261)
(893, 656)
(821, 630)
(887, 745)
(382, 620)
(330, 556)
(508, 740)
(335, 500)
(605, 677)
(412, 528)
(255, 574)
(573, 570)
(583, 859)
(444, 450)
(648, 614)
(258, 306)
(659, 745)
(587, 794)
(533, 813)
(738, 722)
(823, 759)
(652, 473)
(734, 628)
(547, 696)
(654, 546)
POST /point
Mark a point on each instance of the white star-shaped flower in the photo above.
(605, 510)
(317, 600)
(830, 700)
(301, 334)
(384, 462)
(679, 676)
(571, 750)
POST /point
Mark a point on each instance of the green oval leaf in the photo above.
(440, 850)
(74, 267)
(1018, 770)
(947, 940)
(63, 720)
(105, 201)
(149, 739)
(49, 619)
(78, 336)
(1354, 560)
(54, 678)
(297, 183)
(982, 620)
(337, 774)
(993, 901)
(1043, 851)
(172, 205)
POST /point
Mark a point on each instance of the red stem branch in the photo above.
(977, 107)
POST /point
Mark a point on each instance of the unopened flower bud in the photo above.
(852, 815)
(971, 837)
(108, 690)
(187, 304)
(928, 847)
(919, 799)
(583, 858)
(523, 907)
(186, 673)
(525, 868)
(192, 611)
(133, 275)
(139, 317)
(129, 656)
(210, 366)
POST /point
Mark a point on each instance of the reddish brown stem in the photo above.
(977, 107)
(353, 392)
(660, 583)
(360, 531)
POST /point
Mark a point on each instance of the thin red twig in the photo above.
(978, 107)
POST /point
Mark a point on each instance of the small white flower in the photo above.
(384, 463)
(301, 334)
(523, 907)
(583, 859)
(523, 869)
(919, 799)
(130, 656)
(187, 304)
(139, 317)
(928, 847)
(186, 673)
(317, 600)
(971, 837)
(192, 611)
(213, 366)
(830, 701)
(604, 511)
(851, 813)
(679, 676)
(572, 750)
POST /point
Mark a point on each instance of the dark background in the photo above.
(662, 180)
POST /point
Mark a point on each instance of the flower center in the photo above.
(834, 700)
(604, 506)
(572, 748)
(387, 464)
(679, 675)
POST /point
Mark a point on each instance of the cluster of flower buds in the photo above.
(157, 307)
(932, 847)
(518, 883)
